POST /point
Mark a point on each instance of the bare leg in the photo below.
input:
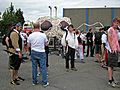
(110, 73)
(12, 74)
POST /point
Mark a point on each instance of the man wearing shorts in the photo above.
(113, 53)
(15, 54)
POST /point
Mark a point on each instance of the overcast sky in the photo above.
(33, 9)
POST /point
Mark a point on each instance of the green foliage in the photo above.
(10, 17)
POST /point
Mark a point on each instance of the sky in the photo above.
(33, 9)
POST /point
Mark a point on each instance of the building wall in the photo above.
(91, 15)
(100, 15)
(77, 16)
(117, 12)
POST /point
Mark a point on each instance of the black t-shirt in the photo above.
(98, 36)
(89, 37)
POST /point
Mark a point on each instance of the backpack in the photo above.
(63, 40)
(98, 36)
(6, 41)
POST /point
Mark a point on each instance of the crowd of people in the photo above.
(104, 42)
(18, 44)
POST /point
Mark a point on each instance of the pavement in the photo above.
(90, 76)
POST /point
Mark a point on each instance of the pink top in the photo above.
(114, 41)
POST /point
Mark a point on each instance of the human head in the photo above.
(90, 30)
(101, 30)
(115, 23)
(18, 26)
(71, 28)
(36, 25)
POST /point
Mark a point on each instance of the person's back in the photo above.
(98, 36)
(89, 37)
(38, 41)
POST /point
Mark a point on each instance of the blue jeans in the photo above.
(41, 58)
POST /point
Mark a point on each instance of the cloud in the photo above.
(33, 9)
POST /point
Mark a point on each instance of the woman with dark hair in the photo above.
(71, 43)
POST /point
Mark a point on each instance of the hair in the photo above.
(102, 29)
(116, 20)
(77, 32)
(90, 29)
(106, 28)
(70, 26)
(36, 25)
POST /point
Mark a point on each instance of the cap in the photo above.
(18, 24)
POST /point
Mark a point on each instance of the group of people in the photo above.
(105, 42)
(37, 43)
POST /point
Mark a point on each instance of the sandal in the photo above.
(14, 82)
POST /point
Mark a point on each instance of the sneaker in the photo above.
(112, 84)
(45, 85)
(35, 83)
(74, 69)
(14, 82)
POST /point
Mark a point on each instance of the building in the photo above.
(91, 16)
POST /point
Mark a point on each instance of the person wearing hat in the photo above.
(15, 55)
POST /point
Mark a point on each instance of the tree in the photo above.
(10, 17)
(19, 15)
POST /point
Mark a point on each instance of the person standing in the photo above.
(37, 42)
(80, 48)
(98, 42)
(103, 48)
(15, 54)
(83, 37)
(89, 37)
(113, 53)
(71, 44)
